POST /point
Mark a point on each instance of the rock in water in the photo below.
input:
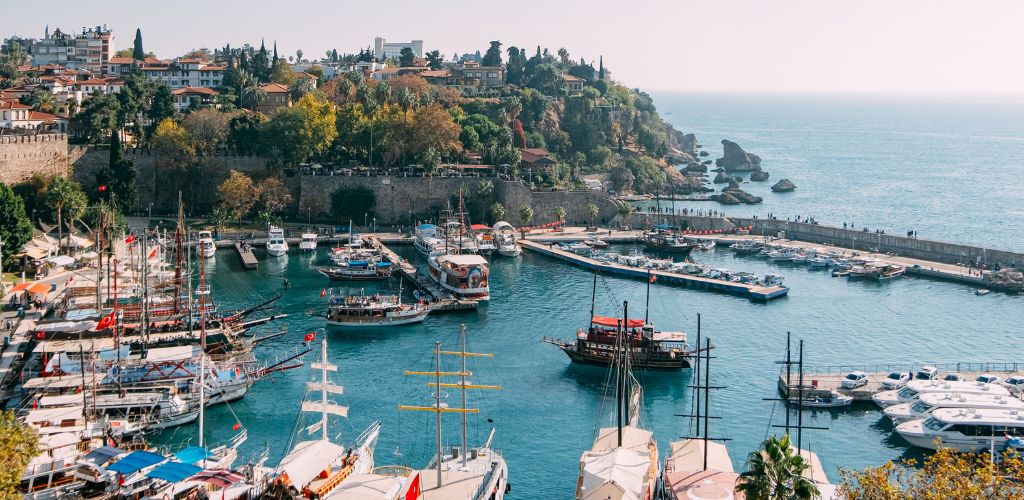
(705, 153)
(696, 167)
(688, 143)
(721, 178)
(725, 199)
(735, 159)
(759, 176)
(783, 186)
(743, 196)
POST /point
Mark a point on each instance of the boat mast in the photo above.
(696, 378)
(202, 304)
(145, 292)
(179, 243)
(465, 445)
(323, 391)
(437, 405)
(188, 257)
(202, 394)
(707, 396)
(800, 402)
(626, 395)
(647, 306)
(593, 298)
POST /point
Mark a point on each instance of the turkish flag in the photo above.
(414, 489)
(653, 278)
(311, 336)
(107, 321)
(238, 425)
(323, 292)
(152, 255)
(130, 239)
(103, 188)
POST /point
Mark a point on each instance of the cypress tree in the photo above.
(137, 51)
(600, 71)
(275, 52)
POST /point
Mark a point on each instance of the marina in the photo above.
(821, 381)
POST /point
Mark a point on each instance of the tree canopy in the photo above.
(15, 228)
(18, 445)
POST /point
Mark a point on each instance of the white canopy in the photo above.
(308, 459)
(633, 438)
(368, 487)
(617, 474)
(61, 260)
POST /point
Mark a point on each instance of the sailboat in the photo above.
(478, 473)
(697, 467)
(317, 466)
(623, 461)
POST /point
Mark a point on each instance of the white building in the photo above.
(89, 50)
(383, 49)
(183, 73)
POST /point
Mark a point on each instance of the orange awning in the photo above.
(21, 286)
(614, 322)
(39, 288)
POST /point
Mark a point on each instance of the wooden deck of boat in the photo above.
(248, 257)
(442, 300)
(822, 381)
(752, 292)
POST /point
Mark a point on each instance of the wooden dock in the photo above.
(441, 300)
(248, 258)
(752, 292)
(820, 381)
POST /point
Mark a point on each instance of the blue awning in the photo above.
(174, 472)
(355, 263)
(426, 226)
(136, 461)
(664, 226)
(192, 454)
(383, 264)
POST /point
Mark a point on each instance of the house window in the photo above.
(492, 75)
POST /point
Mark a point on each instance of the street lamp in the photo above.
(375, 224)
(149, 219)
(365, 217)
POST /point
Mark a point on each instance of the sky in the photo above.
(819, 46)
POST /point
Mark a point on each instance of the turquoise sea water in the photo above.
(948, 166)
(548, 409)
(547, 412)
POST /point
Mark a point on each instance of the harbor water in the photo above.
(547, 411)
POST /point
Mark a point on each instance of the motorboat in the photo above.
(308, 242)
(913, 390)
(819, 261)
(832, 400)
(465, 276)
(276, 244)
(746, 247)
(485, 239)
(426, 241)
(887, 272)
(595, 242)
(965, 430)
(927, 403)
(505, 236)
(358, 270)
(772, 279)
(205, 245)
(373, 310)
(782, 255)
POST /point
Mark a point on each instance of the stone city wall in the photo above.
(23, 155)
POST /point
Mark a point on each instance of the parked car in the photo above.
(854, 380)
(954, 377)
(1015, 384)
(895, 380)
(986, 378)
(927, 373)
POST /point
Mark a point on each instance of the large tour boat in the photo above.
(358, 270)
(373, 310)
(463, 275)
(426, 239)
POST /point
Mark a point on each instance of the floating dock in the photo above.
(442, 300)
(245, 253)
(752, 292)
(821, 381)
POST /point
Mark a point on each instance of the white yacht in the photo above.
(915, 388)
(928, 403)
(964, 429)
(276, 244)
(308, 242)
(206, 246)
(426, 241)
(359, 311)
(505, 236)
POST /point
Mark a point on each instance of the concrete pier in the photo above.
(442, 300)
(245, 253)
(820, 381)
(752, 292)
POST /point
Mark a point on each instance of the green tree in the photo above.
(15, 228)
(434, 59)
(98, 116)
(526, 213)
(162, 106)
(353, 202)
(119, 176)
(624, 208)
(253, 96)
(42, 100)
(516, 65)
(282, 72)
(592, 212)
(137, 52)
(208, 128)
(18, 445)
(547, 79)
(775, 473)
(406, 58)
(68, 201)
(493, 55)
(317, 71)
(299, 132)
(497, 211)
(559, 214)
(274, 195)
(244, 132)
(238, 195)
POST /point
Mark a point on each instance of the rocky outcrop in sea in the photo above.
(735, 159)
(783, 186)
(735, 196)
(759, 176)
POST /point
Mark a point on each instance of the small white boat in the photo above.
(982, 291)
(308, 242)
(206, 246)
(772, 279)
(505, 236)
(595, 242)
(833, 400)
(819, 261)
(276, 244)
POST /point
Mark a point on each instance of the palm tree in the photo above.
(526, 213)
(65, 196)
(559, 213)
(775, 473)
(497, 212)
(592, 212)
(383, 91)
(42, 101)
(253, 96)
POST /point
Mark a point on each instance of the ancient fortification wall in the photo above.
(23, 155)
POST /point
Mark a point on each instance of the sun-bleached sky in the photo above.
(897, 46)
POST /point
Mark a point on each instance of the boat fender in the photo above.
(508, 488)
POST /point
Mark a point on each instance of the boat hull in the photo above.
(637, 361)
(381, 322)
(369, 276)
